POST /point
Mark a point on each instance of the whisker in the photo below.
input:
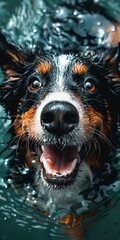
(13, 140)
(105, 138)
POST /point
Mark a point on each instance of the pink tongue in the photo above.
(58, 161)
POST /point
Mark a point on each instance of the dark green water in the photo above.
(18, 219)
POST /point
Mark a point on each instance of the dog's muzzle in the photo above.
(59, 162)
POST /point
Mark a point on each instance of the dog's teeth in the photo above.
(63, 172)
(42, 147)
(79, 148)
(74, 164)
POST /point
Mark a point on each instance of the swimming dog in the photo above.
(63, 110)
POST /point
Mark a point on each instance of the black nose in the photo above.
(59, 117)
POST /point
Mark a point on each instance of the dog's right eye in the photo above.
(89, 86)
(35, 85)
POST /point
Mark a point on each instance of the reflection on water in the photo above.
(57, 23)
(26, 214)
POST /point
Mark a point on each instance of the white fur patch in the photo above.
(65, 197)
(62, 63)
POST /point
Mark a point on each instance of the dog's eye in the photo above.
(89, 86)
(35, 85)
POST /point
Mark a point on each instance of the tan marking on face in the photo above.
(101, 126)
(79, 68)
(44, 67)
(25, 123)
(97, 121)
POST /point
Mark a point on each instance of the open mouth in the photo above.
(59, 165)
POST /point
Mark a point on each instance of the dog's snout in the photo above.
(59, 117)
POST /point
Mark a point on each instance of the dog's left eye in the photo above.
(35, 85)
(89, 86)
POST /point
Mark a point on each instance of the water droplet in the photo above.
(9, 181)
(33, 161)
(39, 11)
(113, 28)
(99, 23)
(75, 12)
(101, 32)
(25, 171)
(80, 17)
(6, 162)
(11, 22)
(34, 201)
(34, 30)
(33, 192)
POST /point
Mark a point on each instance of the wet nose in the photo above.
(59, 117)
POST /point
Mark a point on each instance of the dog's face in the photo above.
(62, 112)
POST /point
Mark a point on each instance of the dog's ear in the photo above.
(111, 56)
(13, 60)
(12, 57)
(111, 61)
(111, 64)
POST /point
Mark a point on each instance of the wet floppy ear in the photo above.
(12, 62)
(11, 56)
(111, 56)
(111, 62)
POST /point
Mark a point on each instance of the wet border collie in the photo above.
(64, 111)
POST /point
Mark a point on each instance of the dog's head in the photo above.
(63, 109)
